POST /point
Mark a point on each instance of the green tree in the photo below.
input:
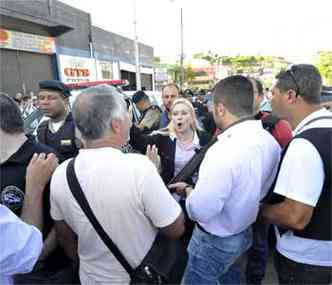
(324, 65)
(214, 59)
(189, 74)
(157, 60)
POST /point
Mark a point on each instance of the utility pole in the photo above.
(138, 75)
(182, 55)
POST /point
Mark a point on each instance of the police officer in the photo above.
(59, 131)
(150, 118)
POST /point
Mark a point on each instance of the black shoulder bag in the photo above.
(158, 262)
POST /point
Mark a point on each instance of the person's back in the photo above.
(124, 191)
(258, 144)
(120, 194)
(235, 173)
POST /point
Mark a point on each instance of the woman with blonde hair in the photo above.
(177, 143)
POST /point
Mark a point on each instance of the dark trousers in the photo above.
(291, 272)
(258, 253)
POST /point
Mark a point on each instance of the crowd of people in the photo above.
(187, 204)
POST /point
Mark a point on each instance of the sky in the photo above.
(295, 29)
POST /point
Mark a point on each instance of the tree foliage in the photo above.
(174, 70)
(324, 65)
(243, 64)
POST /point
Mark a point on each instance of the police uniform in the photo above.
(12, 192)
(12, 174)
(64, 139)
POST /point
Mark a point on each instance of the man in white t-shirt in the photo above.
(301, 202)
(124, 191)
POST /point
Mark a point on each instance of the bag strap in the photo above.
(78, 194)
(192, 165)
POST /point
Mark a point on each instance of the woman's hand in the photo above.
(152, 154)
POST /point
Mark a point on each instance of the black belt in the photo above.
(202, 229)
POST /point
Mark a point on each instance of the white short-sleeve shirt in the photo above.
(129, 200)
(301, 178)
(21, 245)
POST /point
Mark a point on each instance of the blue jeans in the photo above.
(233, 274)
(210, 256)
(256, 258)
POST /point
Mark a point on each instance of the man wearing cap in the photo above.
(150, 118)
(59, 131)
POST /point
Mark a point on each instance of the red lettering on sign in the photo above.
(76, 72)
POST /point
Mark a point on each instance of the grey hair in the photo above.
(305, 79)
(11, 121)
(95, 109)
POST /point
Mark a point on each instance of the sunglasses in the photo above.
(290, 72)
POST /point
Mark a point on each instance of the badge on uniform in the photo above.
(12, 197)
(65, 142)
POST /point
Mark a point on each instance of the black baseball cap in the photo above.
(55, 85)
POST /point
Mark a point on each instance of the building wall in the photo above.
(79, 37)
(108, 45)
(73, 32)
(19, 25)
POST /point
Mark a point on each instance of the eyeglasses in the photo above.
(292, 75)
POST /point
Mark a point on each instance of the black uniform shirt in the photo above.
(12, 180)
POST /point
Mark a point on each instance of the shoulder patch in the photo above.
(12, 197)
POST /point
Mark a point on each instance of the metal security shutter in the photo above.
(21, 71)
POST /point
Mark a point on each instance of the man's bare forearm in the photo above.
(67, 239)
(38, 174)
(289, 214)
(32, 212)
(50, 244)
